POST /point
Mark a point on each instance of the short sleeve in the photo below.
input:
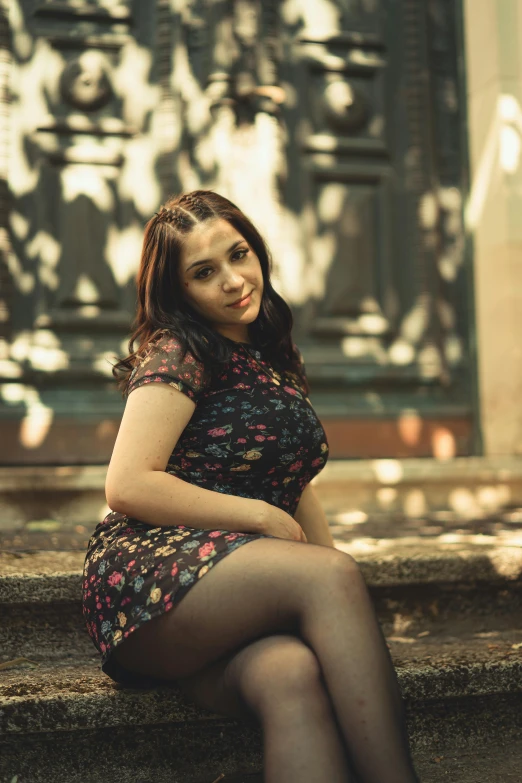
(162, 364)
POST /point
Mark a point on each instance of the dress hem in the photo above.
(134, 679)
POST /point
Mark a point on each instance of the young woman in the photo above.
(216, 449)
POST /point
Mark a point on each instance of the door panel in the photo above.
(335, 125)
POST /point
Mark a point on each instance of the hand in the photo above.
(277, 522)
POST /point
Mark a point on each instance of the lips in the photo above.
(240, 300)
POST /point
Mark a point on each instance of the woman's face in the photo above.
(218, 267)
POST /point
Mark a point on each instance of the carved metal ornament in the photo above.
(347, 108)
(85, 83)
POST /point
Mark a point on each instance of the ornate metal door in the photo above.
(337, 126)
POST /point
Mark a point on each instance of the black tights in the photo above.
(287, 632)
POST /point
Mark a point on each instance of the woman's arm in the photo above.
(312, 518)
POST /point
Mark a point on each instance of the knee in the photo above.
(281, 670)
(340, 571)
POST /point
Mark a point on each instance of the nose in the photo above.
(233, 280)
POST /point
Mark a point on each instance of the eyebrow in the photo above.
(208, 260)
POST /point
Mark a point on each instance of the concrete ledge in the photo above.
(469, 486)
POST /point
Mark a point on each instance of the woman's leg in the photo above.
(317, 593)
(276, 683)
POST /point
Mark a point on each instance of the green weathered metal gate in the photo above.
(337, 126)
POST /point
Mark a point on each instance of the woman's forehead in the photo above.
(209, 238)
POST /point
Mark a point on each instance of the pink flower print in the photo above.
(214, 533)
(241, 440)
(316, 462)
(163, 368)
(217, 431)
(125, 601)
(168, 606)
(271, 470)
(114, 578)
(174, 569)
(261, 426)
(206, 549)
(103, 646)
(296, 466)
(98, 605)
(252, 427)
(236, 369)
(275, 483)
(271, 437)
(132, 562)
(107, 599)
(259, 437)
(289, 390)
(231, 537)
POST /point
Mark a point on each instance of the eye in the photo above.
(236, 255)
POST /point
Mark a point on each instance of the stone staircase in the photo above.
(448, 593)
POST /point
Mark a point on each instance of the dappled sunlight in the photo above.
(363, 347)
(500, 153)
(41, 349)
(102, 363)
(37, 419)
(355, 517)
(122, 248)
(388, 471)
(409, 425)
(46, 249)
(386, 497)
(484, 500)
(415, 504)
(81, 180)
(318, 16)
(331, 202)
(434, 545)
(131, 80)
(444, 446)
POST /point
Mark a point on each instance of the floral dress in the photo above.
(253, 433)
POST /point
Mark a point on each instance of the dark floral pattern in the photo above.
(253, 433)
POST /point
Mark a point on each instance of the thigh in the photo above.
(258, 589)
(249, 682)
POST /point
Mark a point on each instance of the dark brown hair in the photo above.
(161, 306)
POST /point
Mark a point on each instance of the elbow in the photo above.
(116, 500)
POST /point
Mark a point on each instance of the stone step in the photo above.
(416, 589)
(460, 692)
(492, 763)
(450, 612)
